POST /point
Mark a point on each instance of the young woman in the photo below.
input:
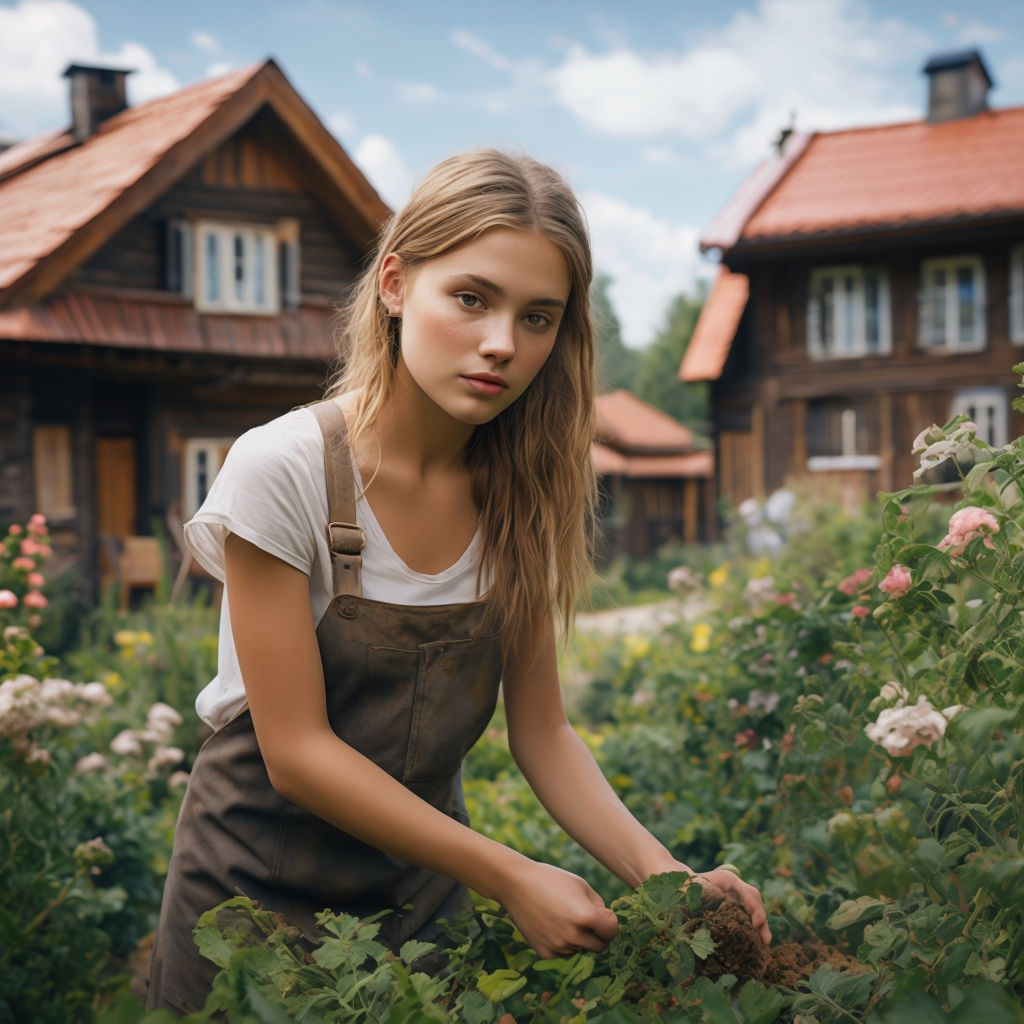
(390, 555)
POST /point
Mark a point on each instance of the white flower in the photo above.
(763, 539)
(178, 778)
(38, 755)
(94, 762)
(126, 744)
(95, 693)
(56, 689)
(164, 757)
(750, 511)
(779, 506)
(162, 720)
(904, 728)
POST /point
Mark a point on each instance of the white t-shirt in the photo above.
(272, 492)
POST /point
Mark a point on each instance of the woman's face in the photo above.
(479, 321)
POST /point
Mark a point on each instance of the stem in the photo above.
(46, 911)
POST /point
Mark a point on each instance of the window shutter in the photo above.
(814, 344)
(179, 257)
(291, 290)
(1017, 296)
(925, 324)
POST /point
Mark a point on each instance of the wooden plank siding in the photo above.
(761, 401)
(243, 179)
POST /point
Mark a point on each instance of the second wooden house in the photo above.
(871, 283)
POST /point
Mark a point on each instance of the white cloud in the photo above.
(974, 33)
(218, 67)
(204, 41)
(418, 92)
(388, 172)
(649, 259)
(362, 68)
(475, 46)
(38, 39)
(834, 62)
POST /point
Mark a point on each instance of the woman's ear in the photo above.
(391, 287)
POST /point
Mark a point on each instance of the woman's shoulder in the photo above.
(293, 439)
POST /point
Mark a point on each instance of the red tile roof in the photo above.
(81, 318)
(43, 206)
(629, 425)
(709, 346)
(611, 463)
(59, 200)
(897, 176)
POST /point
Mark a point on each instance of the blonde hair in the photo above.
(530, 465)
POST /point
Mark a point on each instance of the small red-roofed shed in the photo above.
(871, 283)
(654, 476)
(168, 278)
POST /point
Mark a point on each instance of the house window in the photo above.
(1017, 295)
(53, 473)
(952, 304)
(987, 408)
(203, 458)
(840, 435)
(848, 312)
(236, 268)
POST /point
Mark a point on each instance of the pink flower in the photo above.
(30, 546)
(854, 582)
(44, 550)
(37, 523)
(746, 739)
(8, 599)
(36, 579)
(897, 581)
(24, 563)
(860, 611)
(14, 530)
(966, 525)
(33, 599)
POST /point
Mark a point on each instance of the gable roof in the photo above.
(52, 189)
(705, 355)
(891, 177)
(635, 439)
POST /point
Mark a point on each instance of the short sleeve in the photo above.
(270, 491)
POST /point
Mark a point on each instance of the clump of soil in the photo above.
(740, 951)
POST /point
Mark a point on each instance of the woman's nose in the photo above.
(499, 340)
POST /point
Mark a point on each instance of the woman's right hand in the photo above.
(557, 912)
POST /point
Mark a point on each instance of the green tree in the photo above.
(657, 372)
(616, 364)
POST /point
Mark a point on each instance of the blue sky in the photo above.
(655, 110)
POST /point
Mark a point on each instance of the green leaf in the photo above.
(977, 724)
(213, 945)
(761, 1005)
(862, 909)
(500, 984)
(412, 950)
(701, 943)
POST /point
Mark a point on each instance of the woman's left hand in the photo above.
(721, 882)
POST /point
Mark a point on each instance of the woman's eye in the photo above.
(468, 299)
(538, 320)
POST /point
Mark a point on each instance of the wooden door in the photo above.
(115, 496)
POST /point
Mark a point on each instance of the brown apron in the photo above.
(412, 688)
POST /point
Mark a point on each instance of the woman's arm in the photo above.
(566, 778)
(275, 638)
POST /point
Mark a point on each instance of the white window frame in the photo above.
(989, 409)
(849, 313)
(234, 283)
(203, 457)
(848, 458)
(948, 337)
(1017, 295)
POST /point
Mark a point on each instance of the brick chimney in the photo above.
(958, 85)
(96, 94)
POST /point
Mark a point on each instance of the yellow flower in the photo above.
(701, 639)
(636, 646)
(718, 577)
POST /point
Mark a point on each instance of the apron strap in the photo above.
(346, 539)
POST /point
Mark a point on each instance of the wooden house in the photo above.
(654, 478)
(168, 278)
(871, 283)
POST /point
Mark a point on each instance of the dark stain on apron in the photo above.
(410, 687)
